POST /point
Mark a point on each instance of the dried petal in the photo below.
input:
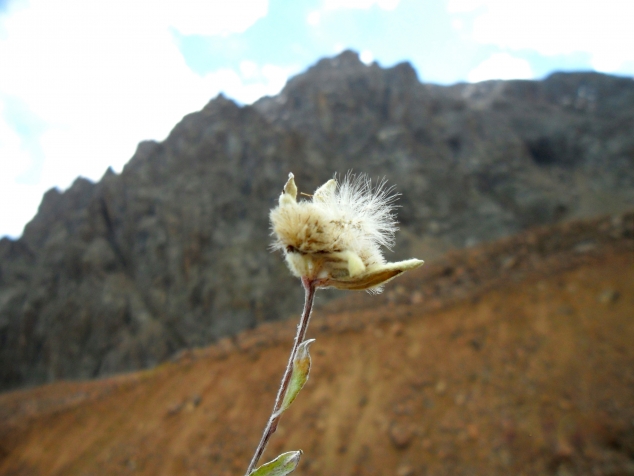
(290, 191)
(374, 277)
(326, 192)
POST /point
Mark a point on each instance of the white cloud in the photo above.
(366, 56)
(463, 6)
(248, 69)
(457, 24)
(17, 200)
(253, 83)
(553, 27)
(213, 17)
(101, 77)
(501, 66)
(314, 18)
(388, 5)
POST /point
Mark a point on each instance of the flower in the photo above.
(335, 239)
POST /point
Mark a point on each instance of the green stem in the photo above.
(302, 327)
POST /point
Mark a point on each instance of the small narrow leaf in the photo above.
(301, 368)
(282, 465)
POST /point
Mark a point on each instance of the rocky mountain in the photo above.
(173, 252)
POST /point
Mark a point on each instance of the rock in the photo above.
(472, 431)
(608, 296)
(401, 436)
(173, 252)
(404, 470)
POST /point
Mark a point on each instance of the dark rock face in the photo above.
(172, 253)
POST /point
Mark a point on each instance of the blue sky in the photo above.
(82, 82)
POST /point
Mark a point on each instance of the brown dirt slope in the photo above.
(511, 358)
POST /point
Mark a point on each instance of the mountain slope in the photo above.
(529, 375)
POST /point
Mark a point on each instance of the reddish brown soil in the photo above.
(513, 358)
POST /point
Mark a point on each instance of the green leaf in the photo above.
(280, 466)
(301, 368)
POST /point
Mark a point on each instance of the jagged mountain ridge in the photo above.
(173, 252)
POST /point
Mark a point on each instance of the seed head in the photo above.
(336, 238)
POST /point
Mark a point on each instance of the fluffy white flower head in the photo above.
(336, 238)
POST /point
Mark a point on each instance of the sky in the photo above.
(82, 82)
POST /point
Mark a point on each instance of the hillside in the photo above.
(509, 358)
(172, 253)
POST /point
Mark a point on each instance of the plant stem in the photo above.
(302, 327)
